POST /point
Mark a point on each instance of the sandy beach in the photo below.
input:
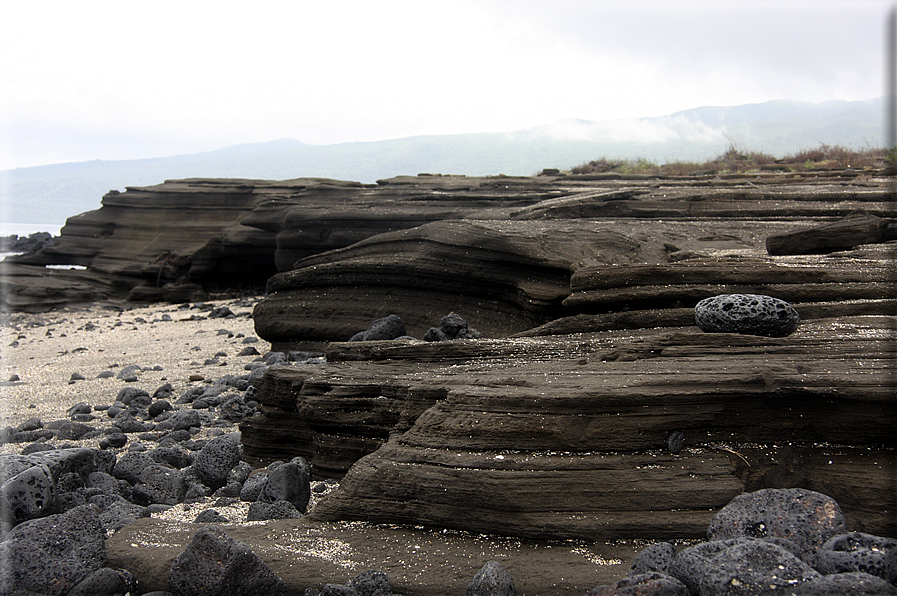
(170, 343)
(182, 345)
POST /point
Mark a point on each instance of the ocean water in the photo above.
(26, 229)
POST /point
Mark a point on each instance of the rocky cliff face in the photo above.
(178, 240)
(594, 408)
(570, 246)
(602, 411)
(595, 436)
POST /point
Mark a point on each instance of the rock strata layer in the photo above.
(182, 239)
(578, 246)
(568, 436)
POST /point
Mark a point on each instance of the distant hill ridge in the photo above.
(49, 194)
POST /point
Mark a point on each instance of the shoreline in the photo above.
(45, 349)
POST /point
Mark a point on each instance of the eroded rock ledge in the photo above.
(568, 436)
(597, 410)
(182, 239)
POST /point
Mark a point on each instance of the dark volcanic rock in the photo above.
(260, 511)
(806, 518)
(53, 554)
(130, 466)
(645, 584)
(30, 493)
(105, 582)
(747, 565)
(218, 565)
(845, 584)
(656, 557)
(215, 460)
(857, 551)
(746, 313)
(288, 482)
(389, 327)
(371, 583)
(451, 326)
(492, 580)
(160, 484)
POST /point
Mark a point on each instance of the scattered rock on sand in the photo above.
(217, 565)
(51, 555)
(492, 580)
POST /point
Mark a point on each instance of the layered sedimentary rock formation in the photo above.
(581, 246)
(178, 240)
(174, 241)
(570, 436)
(604, 411)
(594, 408)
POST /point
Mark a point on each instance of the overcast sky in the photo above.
(124, 80)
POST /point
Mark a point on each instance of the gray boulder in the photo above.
(751, 314)
(857, 551)
(173, 456)
(253, 486)
(72, 431)
(335, 590)
(159, 484)
(214, 564)
(79, 460)
(216, 459)
(185, 419)
(492, 580)
(29, 494)
(134, 397)
(805, 518)
(289, 482)
(451, 326)
(53, 554)
(210, 516)
(855, 583)
(130, 465)
(656, 557)
(371, 583)
(125, 421)
(105, 483)
(389, 327)
(260, 511)
(129, 372)
(750, 566)
(116, 512)
(643, 584)
(105, 582)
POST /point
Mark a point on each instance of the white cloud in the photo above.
(634, 130)
(113, 80)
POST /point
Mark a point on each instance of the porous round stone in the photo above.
(216, 459)
(750, 314)
(858, 551)
(806, 518)
(28, 494)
